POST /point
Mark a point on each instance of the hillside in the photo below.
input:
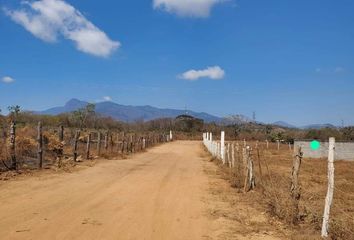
(128, 113)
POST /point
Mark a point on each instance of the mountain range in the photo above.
(128, 113)
(284, 124)
(311, 126)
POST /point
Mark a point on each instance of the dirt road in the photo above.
(164, 193)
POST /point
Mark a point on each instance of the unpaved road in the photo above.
(164, 194)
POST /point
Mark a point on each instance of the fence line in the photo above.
(226, 152)
(28, 147)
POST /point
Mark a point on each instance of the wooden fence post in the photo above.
(106, 141)
(77, 135)
(127, 143)
(61, 133)
(131, 143)
(111, 142)
(88, 146)
(13, 145)
(123, 142)
(249, 178)
(330, 188)
(123, 145)
(40, 145)
(118, 143)
(295, 188)
(134, 143)
(99, 144)
(61, 148)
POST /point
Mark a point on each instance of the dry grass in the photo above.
(313, 181)
(273, 191)
(56, 154)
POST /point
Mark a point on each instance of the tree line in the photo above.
(88, 118)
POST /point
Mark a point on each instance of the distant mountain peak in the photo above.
(73, 101)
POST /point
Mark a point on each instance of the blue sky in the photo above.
(285, 60)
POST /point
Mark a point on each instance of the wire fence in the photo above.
(30, 147)
(269, 169)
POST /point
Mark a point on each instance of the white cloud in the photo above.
(107, 98)
(187, 8)
(215, 73)
(48, 19)
(7, 79)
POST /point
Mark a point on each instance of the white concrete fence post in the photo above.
(215, 149)
(330, 188)
(219, 149)
(171, 137)
(222, 147)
